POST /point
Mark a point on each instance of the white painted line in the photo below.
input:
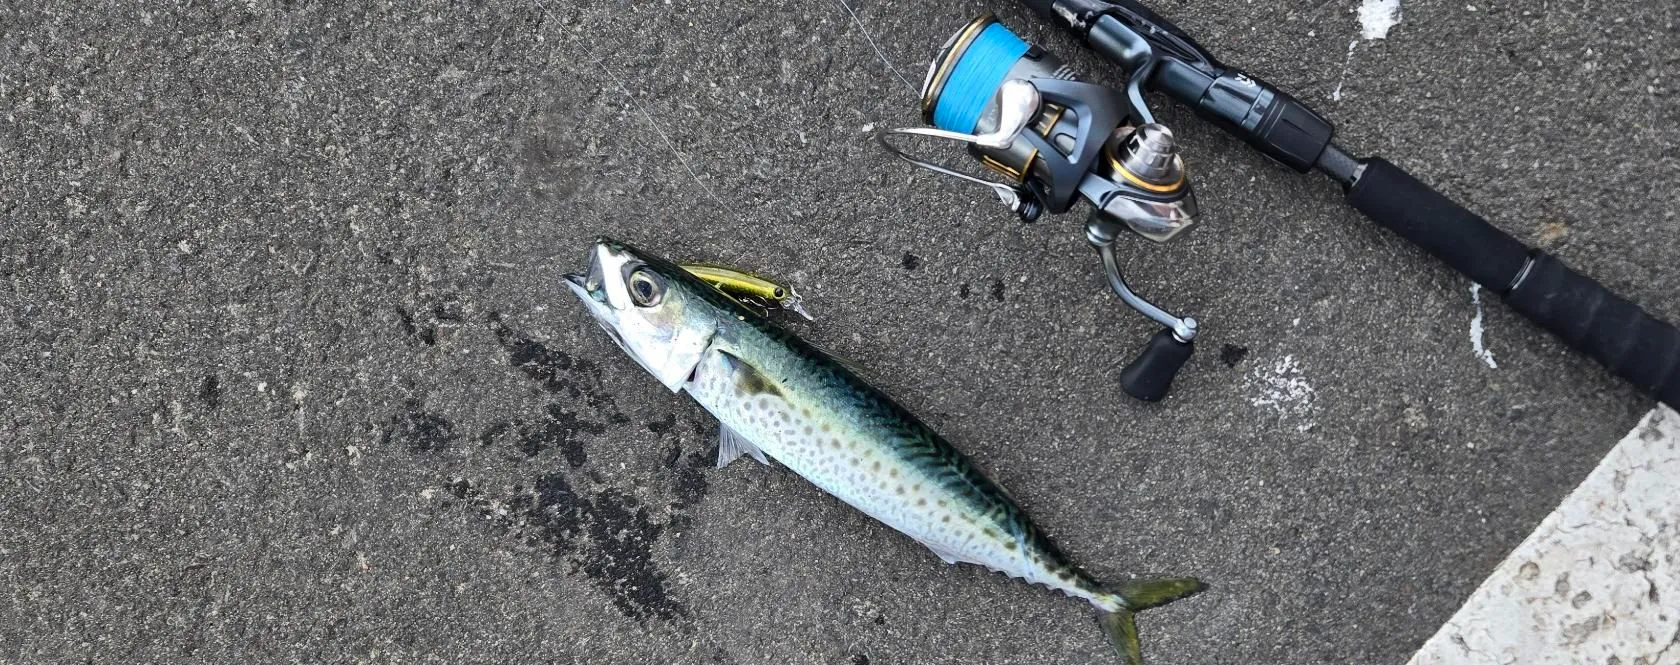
(1282, 388)
(1476, 343)
(1599, 580)
(1377, 17)
(1347, 66)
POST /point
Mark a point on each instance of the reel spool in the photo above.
(1025, 115)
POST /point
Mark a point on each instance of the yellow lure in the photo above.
(749, 288)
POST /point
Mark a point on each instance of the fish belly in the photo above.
(837, 452)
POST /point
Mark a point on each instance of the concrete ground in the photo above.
(1596, 581)
(290, 377)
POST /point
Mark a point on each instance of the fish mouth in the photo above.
(580, 284)
(590, 283)
(587, 288)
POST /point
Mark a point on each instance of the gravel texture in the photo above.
(290, 376)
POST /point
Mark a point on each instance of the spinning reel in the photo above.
(1057, 139)
(1025, 115)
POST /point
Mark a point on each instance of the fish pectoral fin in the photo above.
(732, 445)
(749, 382)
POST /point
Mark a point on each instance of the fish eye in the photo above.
(646, 288)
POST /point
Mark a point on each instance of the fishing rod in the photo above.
(1057, 139)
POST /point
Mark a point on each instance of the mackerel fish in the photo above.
(777, 396)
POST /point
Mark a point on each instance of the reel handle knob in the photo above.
(1151, 374)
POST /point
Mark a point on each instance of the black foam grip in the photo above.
(1602, 325)
(1151, 374)
(1587, 316)
(1393, 198)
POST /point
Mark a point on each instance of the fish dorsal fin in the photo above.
(844, 362)
(732, 445)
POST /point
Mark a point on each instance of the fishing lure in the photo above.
(750, 289)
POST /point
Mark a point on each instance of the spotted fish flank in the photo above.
(777, 396)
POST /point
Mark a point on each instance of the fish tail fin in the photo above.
(1120, 623)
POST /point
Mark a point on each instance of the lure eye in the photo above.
(646, 289)
(779, 293)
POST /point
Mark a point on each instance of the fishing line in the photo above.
(975, 78)
(661, 132)
(878, 52)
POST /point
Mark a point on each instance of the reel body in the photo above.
(1056, 140)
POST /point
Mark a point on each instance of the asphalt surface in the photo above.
(289, 376)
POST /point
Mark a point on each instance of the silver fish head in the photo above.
(657, 312)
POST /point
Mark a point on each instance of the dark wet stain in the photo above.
(620, 526)
(1231, 354)
(662, 426)
(448, 310)
(418, 430)
(556, 371)
(537, 362)
(602, 527)
(607, 534)
(560, 429)
(210, 392)
(860, 659)
(880, 620)
(688, 478)
(963, 292)
(703, 427)
(911, 261)
(531, 443)
(425, 335)
(997, 290)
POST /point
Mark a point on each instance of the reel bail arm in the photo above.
(1018, 103)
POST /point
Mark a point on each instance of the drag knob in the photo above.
(1150, 376)
(1150, 157)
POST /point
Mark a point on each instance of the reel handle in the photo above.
(1151, 374)
(1583, 313)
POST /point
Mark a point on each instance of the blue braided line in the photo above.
(976, 78)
